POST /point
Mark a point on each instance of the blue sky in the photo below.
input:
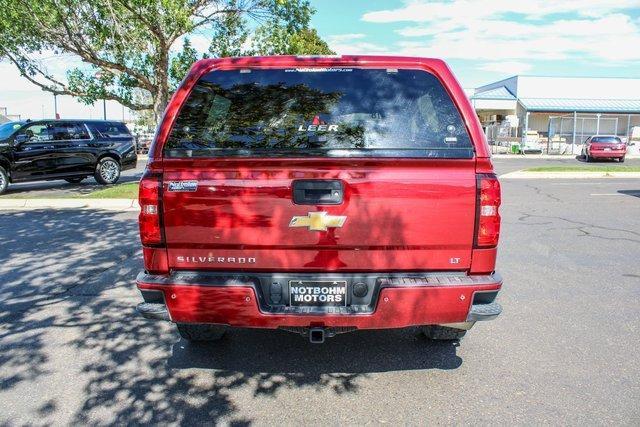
(486, 40)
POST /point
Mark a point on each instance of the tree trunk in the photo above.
(161, 97)
(160, 102)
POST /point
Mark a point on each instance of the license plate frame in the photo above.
(319, 299)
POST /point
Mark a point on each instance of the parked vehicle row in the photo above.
(65, 149)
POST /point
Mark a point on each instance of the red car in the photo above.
(604, 147)
(319, 195)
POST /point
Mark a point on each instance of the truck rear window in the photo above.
(338, 112)
(606, 139)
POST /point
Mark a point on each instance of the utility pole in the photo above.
(575, 125)
(55, 106)
(98, 76)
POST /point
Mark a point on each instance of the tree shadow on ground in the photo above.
(275, 359)
(359, 352)
(145, 372)
(70, 337)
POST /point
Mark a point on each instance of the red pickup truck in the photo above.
(319, 195)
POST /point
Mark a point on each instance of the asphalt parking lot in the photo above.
(72, 350)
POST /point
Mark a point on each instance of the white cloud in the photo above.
(200, 42)
(485, 30)
(506, 67)
(11, 80)
(346, 44)
(424, 11)
(610, 38)
(345, 37)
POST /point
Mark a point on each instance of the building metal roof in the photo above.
(497, 93)
(582, 105)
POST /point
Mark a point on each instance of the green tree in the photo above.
(136, 51)
(229, 37)
(181, 63)
(288, 32)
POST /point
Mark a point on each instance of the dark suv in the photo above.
(65, 149)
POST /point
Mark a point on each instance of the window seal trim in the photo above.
(305, 154)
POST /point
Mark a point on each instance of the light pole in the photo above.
(98, 76)
(55, 105)
(575, 128)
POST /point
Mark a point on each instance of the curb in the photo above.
(546, 156)
(568, 175)
(104, 204)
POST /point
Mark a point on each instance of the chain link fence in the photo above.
(568, 133)
(565, 134)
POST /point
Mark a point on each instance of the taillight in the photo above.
(150, 209)
(487, 215)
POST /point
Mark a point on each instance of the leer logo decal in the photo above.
(318, 221)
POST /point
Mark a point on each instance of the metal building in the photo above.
(557, 114)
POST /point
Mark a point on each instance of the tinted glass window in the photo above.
(111, 129)
(55, 131)
(64, 131)
(7, 129)
(335, 112)
(38, 132)
(606, 140)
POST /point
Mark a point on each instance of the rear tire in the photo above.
(621, 159)
(4, 180)
(200, 333)
(442, 333)
(75, 180)
(107, 171)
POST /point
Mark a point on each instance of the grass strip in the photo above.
(606, 168)
(120, 191)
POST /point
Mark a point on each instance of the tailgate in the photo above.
(395, 214)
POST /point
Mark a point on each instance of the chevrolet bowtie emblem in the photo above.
(318, 221)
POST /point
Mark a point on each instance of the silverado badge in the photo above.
(318, 221)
